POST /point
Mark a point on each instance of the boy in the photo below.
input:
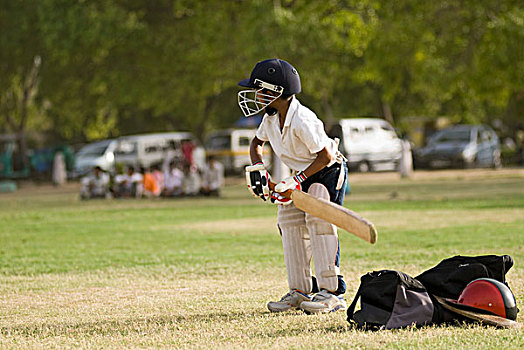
(298, 138)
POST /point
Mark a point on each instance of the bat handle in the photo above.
(286, 194)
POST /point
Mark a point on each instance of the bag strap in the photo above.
(351, 308)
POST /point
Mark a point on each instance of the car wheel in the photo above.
(464, 164)
(363, 167)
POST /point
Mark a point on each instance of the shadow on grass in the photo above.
(347, 328)
(184, 323)
(175, 323)
(125, 326)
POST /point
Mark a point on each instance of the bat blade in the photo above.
(335, 214)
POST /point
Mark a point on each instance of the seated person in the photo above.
(95, 185)
(129, 184)
(191, 181)
(159, 176)
(150, 184)
(212, 177)
(172, 181)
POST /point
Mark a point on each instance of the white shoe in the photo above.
(324, 302)
(291, 300)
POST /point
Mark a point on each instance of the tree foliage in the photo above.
(125, 66)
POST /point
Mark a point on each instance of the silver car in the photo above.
(462, 146)
(99, 153)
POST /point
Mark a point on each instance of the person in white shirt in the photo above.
(129, 184)
(95, 185)
(173, 177)
(212, 177)
(191, 181)
(59, 169)
(298, 138)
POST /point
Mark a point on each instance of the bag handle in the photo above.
(351, 308)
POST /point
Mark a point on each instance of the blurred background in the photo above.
(73, 72)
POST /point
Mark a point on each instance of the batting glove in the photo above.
(292, 182)
(257, 179)
(277, 198)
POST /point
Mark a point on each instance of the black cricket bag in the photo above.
(449, 278)
(391, 299)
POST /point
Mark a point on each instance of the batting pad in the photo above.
(297, 247)
(324, 244)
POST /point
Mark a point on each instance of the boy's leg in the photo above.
(297, 256)
(324, 242)
(326, 254)
(297, 247)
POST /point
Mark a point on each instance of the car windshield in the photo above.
(453, 136)
(95, 150)
(126, 148)
(219, 142)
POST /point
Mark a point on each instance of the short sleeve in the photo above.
(311, 133)
(261, 133)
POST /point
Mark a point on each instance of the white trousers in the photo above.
(305, 236)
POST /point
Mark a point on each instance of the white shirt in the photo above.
(213, 177)
(302, 137)
(128, 180)
(191, 183)
(96, 184)
(173, 178)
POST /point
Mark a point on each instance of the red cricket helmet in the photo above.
(489, 296)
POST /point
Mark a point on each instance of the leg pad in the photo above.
(324, 244)
(297, 247)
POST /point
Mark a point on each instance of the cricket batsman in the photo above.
(298, 138)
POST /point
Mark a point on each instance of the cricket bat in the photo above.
(333, 213)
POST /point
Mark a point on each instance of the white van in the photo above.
(231, 148)
(99, 153)
(147, 149)
(369, 144)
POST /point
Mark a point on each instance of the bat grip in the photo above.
(286, 194)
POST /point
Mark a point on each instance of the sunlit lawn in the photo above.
(197, 273)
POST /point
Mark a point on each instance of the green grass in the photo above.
(196, 273)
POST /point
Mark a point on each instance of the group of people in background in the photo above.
(171, 178)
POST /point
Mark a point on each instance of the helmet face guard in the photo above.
(253, 101)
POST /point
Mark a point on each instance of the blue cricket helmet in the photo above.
(275, 72)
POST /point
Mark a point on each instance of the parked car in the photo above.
(99, 153)
(231, 148)
(369, 144)
(461, 146)
(39, 162)
(145, 150)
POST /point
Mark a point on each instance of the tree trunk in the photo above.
(514, 109)
(328, 111)
(22, 141)
(386, 112)
(20, 107)
(24, 102)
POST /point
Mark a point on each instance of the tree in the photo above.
(111, 68)
(446, 58)
(20, 66)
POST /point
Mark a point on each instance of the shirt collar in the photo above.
(293, 105)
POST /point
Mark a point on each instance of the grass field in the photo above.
(197, 273)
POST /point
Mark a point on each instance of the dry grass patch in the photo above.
(441, 218)
(198, 273)
(141, 308)
(392, 219)
(236, 226)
